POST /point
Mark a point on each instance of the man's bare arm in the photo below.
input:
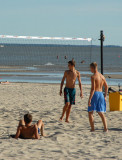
(62, 82)
(37, 136)
(106, 88)
(17, 133)
(80, 85)
(42, 130)
(92, 90)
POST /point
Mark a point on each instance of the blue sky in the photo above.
(73, 18)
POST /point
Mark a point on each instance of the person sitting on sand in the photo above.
(27, 131)
(7, 82)
(97, 101)
(69, 91)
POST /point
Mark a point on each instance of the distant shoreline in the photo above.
(54, 77)
(54, 69)
(47, 45)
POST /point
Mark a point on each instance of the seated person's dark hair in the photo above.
(27, 118)
(72, 63)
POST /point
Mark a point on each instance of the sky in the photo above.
(64, 18)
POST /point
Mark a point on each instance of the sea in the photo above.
(46, 63)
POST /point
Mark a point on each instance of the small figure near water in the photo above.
(82, 61)
(7, 82)
(65, 57)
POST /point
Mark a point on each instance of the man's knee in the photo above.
(41, 122)
(100, 114)
(21, 122)
(67, 105)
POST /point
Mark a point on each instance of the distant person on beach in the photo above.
(65, 57)
(69, 91)
(83, 62)
(97, 101)
(27, 131)
(4, 82)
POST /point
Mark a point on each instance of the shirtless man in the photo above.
(69, 91)
(27, 131)
(97, 101)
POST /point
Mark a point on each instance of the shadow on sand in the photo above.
(115, 129)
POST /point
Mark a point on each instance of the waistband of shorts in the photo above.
(98, 92)
(70, 88)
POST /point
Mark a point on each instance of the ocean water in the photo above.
(55, 57)
(46, 63)
(49, 77)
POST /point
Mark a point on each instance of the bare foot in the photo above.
(44, 135)
(105, 130)
(92, 130)
(67, 121)
(61, 119)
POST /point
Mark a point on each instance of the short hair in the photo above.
(72, 63)
(28, 118)
(93, 65)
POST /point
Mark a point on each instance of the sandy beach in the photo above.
(64, 141)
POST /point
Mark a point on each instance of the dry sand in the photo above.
(65, 141)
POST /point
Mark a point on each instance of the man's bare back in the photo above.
(98, 81)
(28, 132)
(71, 77)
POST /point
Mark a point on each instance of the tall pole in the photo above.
(101, 41)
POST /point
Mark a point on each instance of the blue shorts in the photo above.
(98, 103)
(69, 95)
(39, 131)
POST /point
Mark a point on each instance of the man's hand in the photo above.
(89, 103)
(62, 82)
(81, 95)
(18, 133)
(60, 93)
(105, 98)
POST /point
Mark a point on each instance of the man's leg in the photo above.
(64, 110)
(91, 120)
(68, 113)
(40, 125)
(103, 120)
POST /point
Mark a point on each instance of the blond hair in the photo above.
(93, 65)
